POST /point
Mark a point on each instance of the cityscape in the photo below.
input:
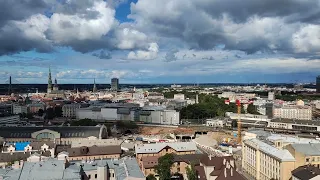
(159, 90)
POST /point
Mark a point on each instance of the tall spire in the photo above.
(55, 86)
(94, 85)
(49, 82)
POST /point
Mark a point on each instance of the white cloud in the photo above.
(65, 27)
(152, 53)
(130, 38)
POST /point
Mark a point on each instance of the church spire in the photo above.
(49, 82)
(55, 87)
(94, 86)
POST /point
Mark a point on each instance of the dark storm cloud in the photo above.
(103, 55)
(241, 10)
(21, 9)
(13, 41)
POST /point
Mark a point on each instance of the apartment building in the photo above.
(293, 112)
(92, 153)
(263, 161)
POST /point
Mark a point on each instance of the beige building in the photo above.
(263, 161)
(305, 154)
(293, 112)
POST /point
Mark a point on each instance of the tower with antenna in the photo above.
(10, 86)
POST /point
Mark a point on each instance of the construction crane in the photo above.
(239, 120)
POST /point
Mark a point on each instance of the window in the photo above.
(95, 176)
(178, 169)
(89, 176)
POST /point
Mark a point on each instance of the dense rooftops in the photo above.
(155, 148)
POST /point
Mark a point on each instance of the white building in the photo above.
(271, 96)
(293, 112)
(179, 96)
(19, 109)
(311, 125)
(215, 123)
(160, 116)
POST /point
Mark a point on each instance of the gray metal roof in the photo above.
(154, 148)
(65, 131)
(44, 170)
(283, 155)
(309, 149)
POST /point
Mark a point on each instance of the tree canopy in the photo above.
(151, 177)
(164, 167)
(191, 172)
(209, 106)
(252, 110)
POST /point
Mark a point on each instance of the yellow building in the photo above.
(264, 162)
(305, 154)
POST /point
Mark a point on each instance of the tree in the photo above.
(164, 167)
(40, 112)
(58, 111)
(50, 113)
(191, 172)
(151, 177)
(251, 109)
(29, 115)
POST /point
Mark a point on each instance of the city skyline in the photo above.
(133, 40)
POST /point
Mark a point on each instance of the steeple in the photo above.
(94, 86)
(55, 87)
(49, 82)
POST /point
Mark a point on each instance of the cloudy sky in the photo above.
(160, 41)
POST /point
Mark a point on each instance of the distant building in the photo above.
(310, 125)
(293, 112)
(179, 96)
(35, 107)
(115, 84)
(305, 154)
(219, 123)
(70, 110)
(159, 116)
(271, 96)
(19, 109)
(269, 110)
(10, 119)
(318, 84)
(91, 153)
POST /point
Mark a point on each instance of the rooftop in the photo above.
(283, 155)
(155, 148)
(306, 172)
(309, 149)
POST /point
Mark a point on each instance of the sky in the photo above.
(160, 41)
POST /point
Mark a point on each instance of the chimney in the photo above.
(210, 157)
(231, 171)
(232, 163)
(225, 172)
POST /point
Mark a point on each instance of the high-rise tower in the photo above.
(49, 82)
(318, 84)
(94, 86)
(115, 84)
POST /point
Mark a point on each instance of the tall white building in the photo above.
(19, 109)
(271, 96)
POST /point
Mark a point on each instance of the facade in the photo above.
(57, 134)
(264, 162)
(293, 112)
(271, 96)
(312, 125)
(115, 84)
(19, 109)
